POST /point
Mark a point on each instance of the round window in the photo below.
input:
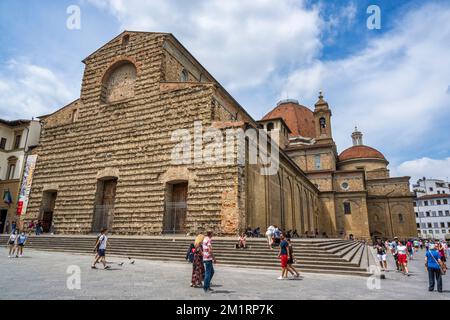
(344, 185)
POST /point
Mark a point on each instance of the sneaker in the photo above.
(107, 267)
(93, 267)
(280, 278)
(9, 256)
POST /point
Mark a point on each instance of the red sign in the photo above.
(19, 207)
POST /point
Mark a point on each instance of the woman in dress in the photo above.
(198, 270)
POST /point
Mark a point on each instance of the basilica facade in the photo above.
(106, 159)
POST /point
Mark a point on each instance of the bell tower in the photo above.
(322, 120)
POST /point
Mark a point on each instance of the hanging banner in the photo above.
(25, 187)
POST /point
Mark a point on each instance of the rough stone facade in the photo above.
(106, 158)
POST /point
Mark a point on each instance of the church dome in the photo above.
(361, 152)
(298, 118)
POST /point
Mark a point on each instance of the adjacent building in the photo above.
(106, 158)
(16, 139)
(432, 208)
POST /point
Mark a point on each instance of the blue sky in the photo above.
(394, 83)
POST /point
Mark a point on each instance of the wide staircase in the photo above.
(333, 256)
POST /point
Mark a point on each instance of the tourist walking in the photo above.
(291, 260)
(381, 254)
(198, 269)
(283, 255)
(276, 236)
(100, 247)
(409, 247)
(21, 239)
(416, 246)
(402, 257)
(269, 235)
(208, 261)
(433, 264)
(12, 241)
(393, 246)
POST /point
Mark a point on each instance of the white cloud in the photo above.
(242, 43)
(424, 167)
(28, 90)
(394, 89)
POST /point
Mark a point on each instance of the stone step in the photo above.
(313, 255)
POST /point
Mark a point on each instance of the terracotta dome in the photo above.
(361, 152)
(298, 118)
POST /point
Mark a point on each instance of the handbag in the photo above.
(440, 268)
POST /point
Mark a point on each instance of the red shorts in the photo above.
(402, 258)
(284, 260)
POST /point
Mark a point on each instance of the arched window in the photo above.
(184, 76)
(323, 122)
(400, 218)
(125, 40)
(118, 83)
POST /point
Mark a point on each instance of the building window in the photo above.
(270, 126)
(317, 161)
(347, 208)
(429, 225)
(418, 226)
(441, 214)
(443, 231)
(428, 213)
(125, 40)
(445, 201)
(417, 214)
(442, 224)
(184, 76)
(17, 141)
(415, 204)
(447, 213)
(425, 203)
(345, 185)
(448, 224)
(11, 171)
(436, 225)
(438, 202)
(433, 213)
(74, 115)
(431, 189)
(3, 143)
(400, 218)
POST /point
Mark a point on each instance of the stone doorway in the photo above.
(104, 207)
(175, 208)
(3, 215)
(48, 206)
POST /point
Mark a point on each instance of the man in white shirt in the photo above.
(100, 248)
(208, 260)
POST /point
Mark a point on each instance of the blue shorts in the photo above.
(101, 252)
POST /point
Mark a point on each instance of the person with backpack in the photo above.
(100, 247)
(269, 235)
(433, 264)
(12, 241)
